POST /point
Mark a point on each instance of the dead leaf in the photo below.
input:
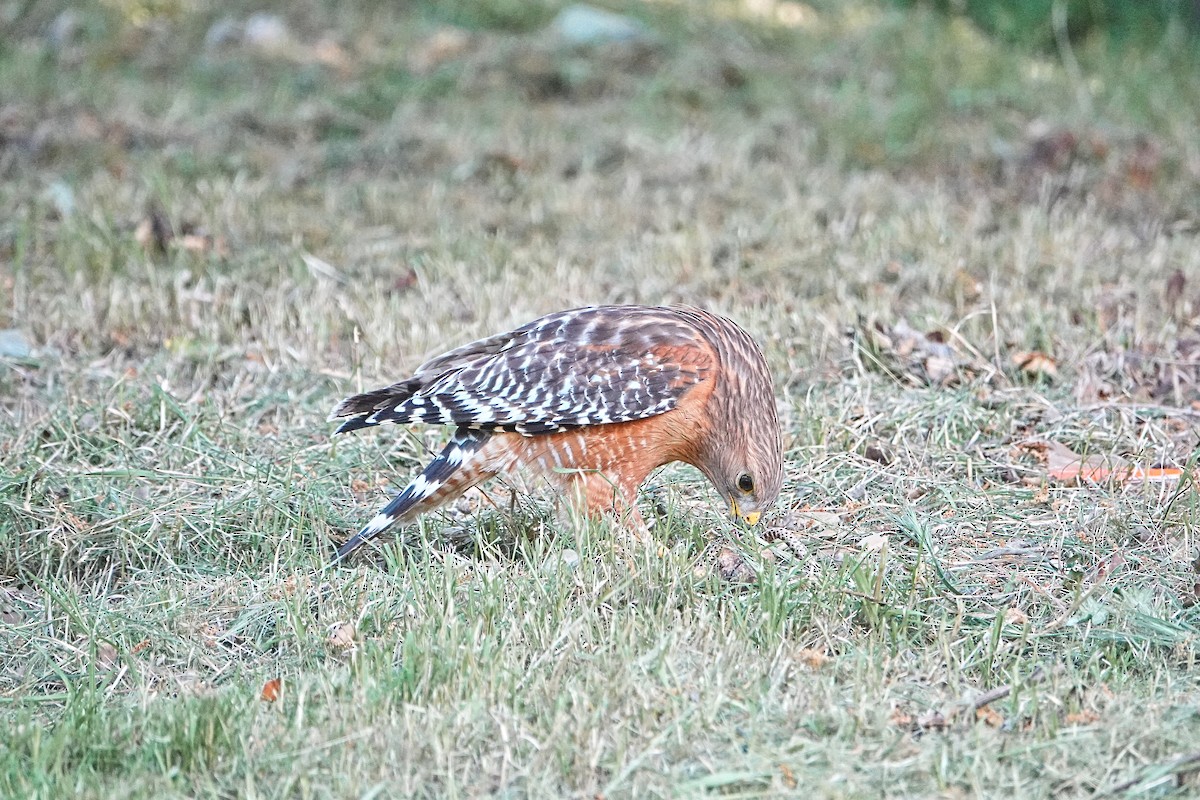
(327, 52)
(932, 720)
(876, 452)
(444, 45)
(271, 689)
(405, 280)
(1052, 150)
(1085, 717)
(106, 655)
(902, 719)
(873, 542)
(194, 243)
(939, 369)
(156, 231)
(1065, 465)
(915, 358)
(788, 777)
(342, 635)
(813, 521)
(321, 269)
(1015, 616)
(1143, 165)
(989, 716)
(812, 657)
(1035, 364)
(733, 567)
(969, 287)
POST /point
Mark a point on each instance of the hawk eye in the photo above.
(746, 483)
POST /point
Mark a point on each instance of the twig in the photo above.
(1171, 767)
(936, 719)
(1003, 552)
(1003, 691)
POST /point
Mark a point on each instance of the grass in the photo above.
(927, 614)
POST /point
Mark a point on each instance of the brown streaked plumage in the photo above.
(594, 399)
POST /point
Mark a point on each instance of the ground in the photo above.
(974, 272)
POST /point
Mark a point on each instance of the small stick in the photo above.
(1169, 768)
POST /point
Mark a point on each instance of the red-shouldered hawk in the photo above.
(594, 399)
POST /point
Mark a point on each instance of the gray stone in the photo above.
(581, 24)
(13, 344)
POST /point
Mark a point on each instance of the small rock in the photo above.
(878, 453)
(267, 32)
(13, 344)
(581, 24)
(223, 33)
(64, 30)
(566, 560)
(62, 197)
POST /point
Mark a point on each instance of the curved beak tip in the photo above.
(750, 518)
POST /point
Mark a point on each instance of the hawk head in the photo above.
(742, 454)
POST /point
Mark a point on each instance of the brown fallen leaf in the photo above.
(932, 720)
(271, 689)
(812, 657)
(733, 567)
(1085, 717)
(445, 44)
(1015, 616)
(914, 357)
(1065, 465)
(788, 777)
(819, 521)
(106, 655)
(878, 453)
(873, 542)
(327, 52)
(342, 635)
(989, 716)
(156, 232)
(405, 280)
(939, 369)
(1142, 167)
(1051, 150)
(1035, 364)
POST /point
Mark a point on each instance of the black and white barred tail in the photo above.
(443, 478)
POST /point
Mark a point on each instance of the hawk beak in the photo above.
(750, 518)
